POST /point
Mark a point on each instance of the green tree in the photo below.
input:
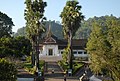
(71, 19)
(86, 26)
(15, 47)
(104, 47)
(34, 16)
(21, 46)
(8, 71)
(65, 54)
(20, 32)
(5, 25)
(84, 31)
(5, 47)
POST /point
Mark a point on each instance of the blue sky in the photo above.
(90, 8)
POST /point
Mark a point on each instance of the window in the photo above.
(61, 52)
(85, 52)
(79, 52)
(74, 52)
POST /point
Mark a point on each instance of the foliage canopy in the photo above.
(16, 47)
(34, 17)
(71, 19)
(104, 47)
(5, 25)
(8, 71)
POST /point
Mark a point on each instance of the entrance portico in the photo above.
(50, 50)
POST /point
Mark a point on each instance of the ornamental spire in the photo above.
(49, 32)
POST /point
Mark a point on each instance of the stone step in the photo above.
(53, 70)
(51, 58)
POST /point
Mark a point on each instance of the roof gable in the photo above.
(50, 40)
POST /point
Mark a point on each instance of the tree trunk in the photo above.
(37, 52)
(33, 55)
(71, 51)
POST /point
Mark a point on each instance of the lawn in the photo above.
(65, 66)
(28, 66)
(77, 66)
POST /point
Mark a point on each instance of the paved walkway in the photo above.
(24, 74)
(25, 79)
(58, 73)
(60, 79)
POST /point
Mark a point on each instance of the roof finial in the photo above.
(49, 30)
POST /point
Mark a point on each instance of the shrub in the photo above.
(28, 66)
(64, 65)
(42, 63)
(8, 71)
(77, 66)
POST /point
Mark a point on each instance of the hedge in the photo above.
(28, 66)
(8, 71)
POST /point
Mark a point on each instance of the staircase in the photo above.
(53, 70)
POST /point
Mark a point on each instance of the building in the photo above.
(52, 47)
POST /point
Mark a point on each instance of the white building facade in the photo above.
(53, 47)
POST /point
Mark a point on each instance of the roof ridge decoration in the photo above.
(49, 33)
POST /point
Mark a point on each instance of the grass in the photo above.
(28, 66)
(77, 66)
(65, 66)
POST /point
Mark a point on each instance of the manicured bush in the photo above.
(8, 71)
(65, 66)
(28, 66)
(77, 66)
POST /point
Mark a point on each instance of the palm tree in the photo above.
(71, 19)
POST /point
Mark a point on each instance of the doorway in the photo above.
(50, 52)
